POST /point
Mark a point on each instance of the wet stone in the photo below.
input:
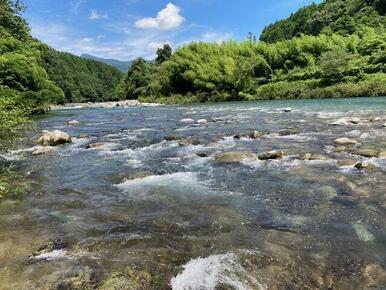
(235, 157)
(44, 150)
(344, 141)
(370, 153)
(339, 149)
(346, 162)
(274, 154)
(131, 278)
(95, 145)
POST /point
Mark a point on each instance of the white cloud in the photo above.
(118, 39)
(75, 5)
(215, 36)
(167, 19)
(95, 15)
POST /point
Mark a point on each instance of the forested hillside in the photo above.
(343, 56)
(81, 80)
(338, 16)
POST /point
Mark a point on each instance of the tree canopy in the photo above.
(338, 16)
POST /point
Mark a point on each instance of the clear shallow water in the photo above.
(141, 212)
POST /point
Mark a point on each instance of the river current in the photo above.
(148, 205)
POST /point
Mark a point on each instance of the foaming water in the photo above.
(213, 271)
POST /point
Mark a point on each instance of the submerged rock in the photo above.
(363, 233)
(256, 134)
(345, 141)
(288, 132)
(95, 145)
(339, 149)
(287, 110)
(346, 162)
(375, 119)
(367, 152)
(73, 123)
(188, 142)
(73, 278)
(306, 157)
(274, 154)
(129, 279)
(187, 121)
(314, 156)
(171, 138)
(319, 157)
(346, 121)
(43, 151)
(54, 138)
(361, 165)
(329, 191)
(53, 249)
(202, 121)
(375, 275)
(236, 157)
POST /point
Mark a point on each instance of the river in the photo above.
(150, 207)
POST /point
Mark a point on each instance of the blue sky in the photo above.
(125, 29)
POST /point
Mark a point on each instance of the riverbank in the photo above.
(106, 105)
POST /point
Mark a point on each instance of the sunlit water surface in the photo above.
(140, 212)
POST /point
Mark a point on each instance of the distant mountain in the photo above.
(121, 65)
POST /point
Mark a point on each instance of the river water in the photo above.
(151, 208)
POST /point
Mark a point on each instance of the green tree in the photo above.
(164, 54)
(333, 65)
(136, 81)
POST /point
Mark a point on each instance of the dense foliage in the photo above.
(24, 85)
(32, 75)
(338, 16)
(81, 80)
(303, 67)
(334, 49)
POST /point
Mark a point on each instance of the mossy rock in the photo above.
(131, 278)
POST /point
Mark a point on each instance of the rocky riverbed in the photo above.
(260, 195)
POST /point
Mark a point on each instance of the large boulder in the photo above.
(236, 157)
(344, 141)
(54, 138)
(274, 154)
